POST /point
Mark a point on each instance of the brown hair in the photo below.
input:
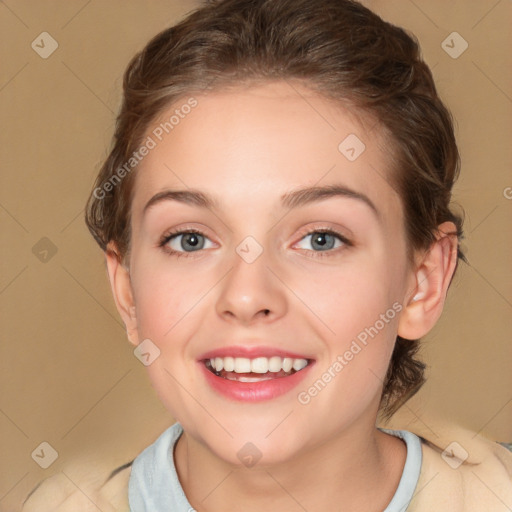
(337, 48)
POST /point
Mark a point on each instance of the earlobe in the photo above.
(120, 283)
(424, 303)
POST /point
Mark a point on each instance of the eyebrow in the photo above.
(292, 199)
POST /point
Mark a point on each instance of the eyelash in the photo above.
(169, 236)
(315, 254)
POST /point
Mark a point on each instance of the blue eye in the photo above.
(186, 241)
(322, 241)
(183, 243)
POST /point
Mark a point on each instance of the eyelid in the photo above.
(303, 233)
(183, 229)
(178, 231)
(346, 242)
(341, 233)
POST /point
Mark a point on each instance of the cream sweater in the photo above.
(481, 483)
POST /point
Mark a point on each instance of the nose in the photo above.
(251, 293)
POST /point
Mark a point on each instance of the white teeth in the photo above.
(260, 365)
(242, 378)
(229, 364)
(287, 364)
(275, 364)
(298, 364)
(242, 365)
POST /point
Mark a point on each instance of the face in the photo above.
(261, 241)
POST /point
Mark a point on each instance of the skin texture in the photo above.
(247, 148)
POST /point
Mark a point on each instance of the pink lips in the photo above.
(250, 352)
(252, 391)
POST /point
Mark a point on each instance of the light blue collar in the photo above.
(154, 485)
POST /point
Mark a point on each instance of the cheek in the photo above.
(165, 297)
(352, 296)
(357, 303)
(168, 304)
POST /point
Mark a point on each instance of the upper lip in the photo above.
(251, 352)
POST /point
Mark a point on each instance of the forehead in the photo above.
(256, 143)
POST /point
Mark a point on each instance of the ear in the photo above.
(432, 277)
(120, 282)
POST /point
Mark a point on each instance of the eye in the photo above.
(185, 241)
(179, 243)
(320, 241)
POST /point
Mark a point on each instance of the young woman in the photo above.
(275, 214)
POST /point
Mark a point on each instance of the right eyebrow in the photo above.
(192, 197)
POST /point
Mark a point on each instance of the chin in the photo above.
(255, 453)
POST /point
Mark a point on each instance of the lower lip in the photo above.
(254, 391)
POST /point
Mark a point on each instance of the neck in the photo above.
(357, 469)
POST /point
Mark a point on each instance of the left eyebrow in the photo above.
(292, 199)
(308, 195)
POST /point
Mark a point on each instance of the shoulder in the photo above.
(114, 491)
(461, 470)
(64, 493)
(88, 487)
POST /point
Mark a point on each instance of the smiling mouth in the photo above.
(258, 369)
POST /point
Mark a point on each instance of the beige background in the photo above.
(68, 376)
